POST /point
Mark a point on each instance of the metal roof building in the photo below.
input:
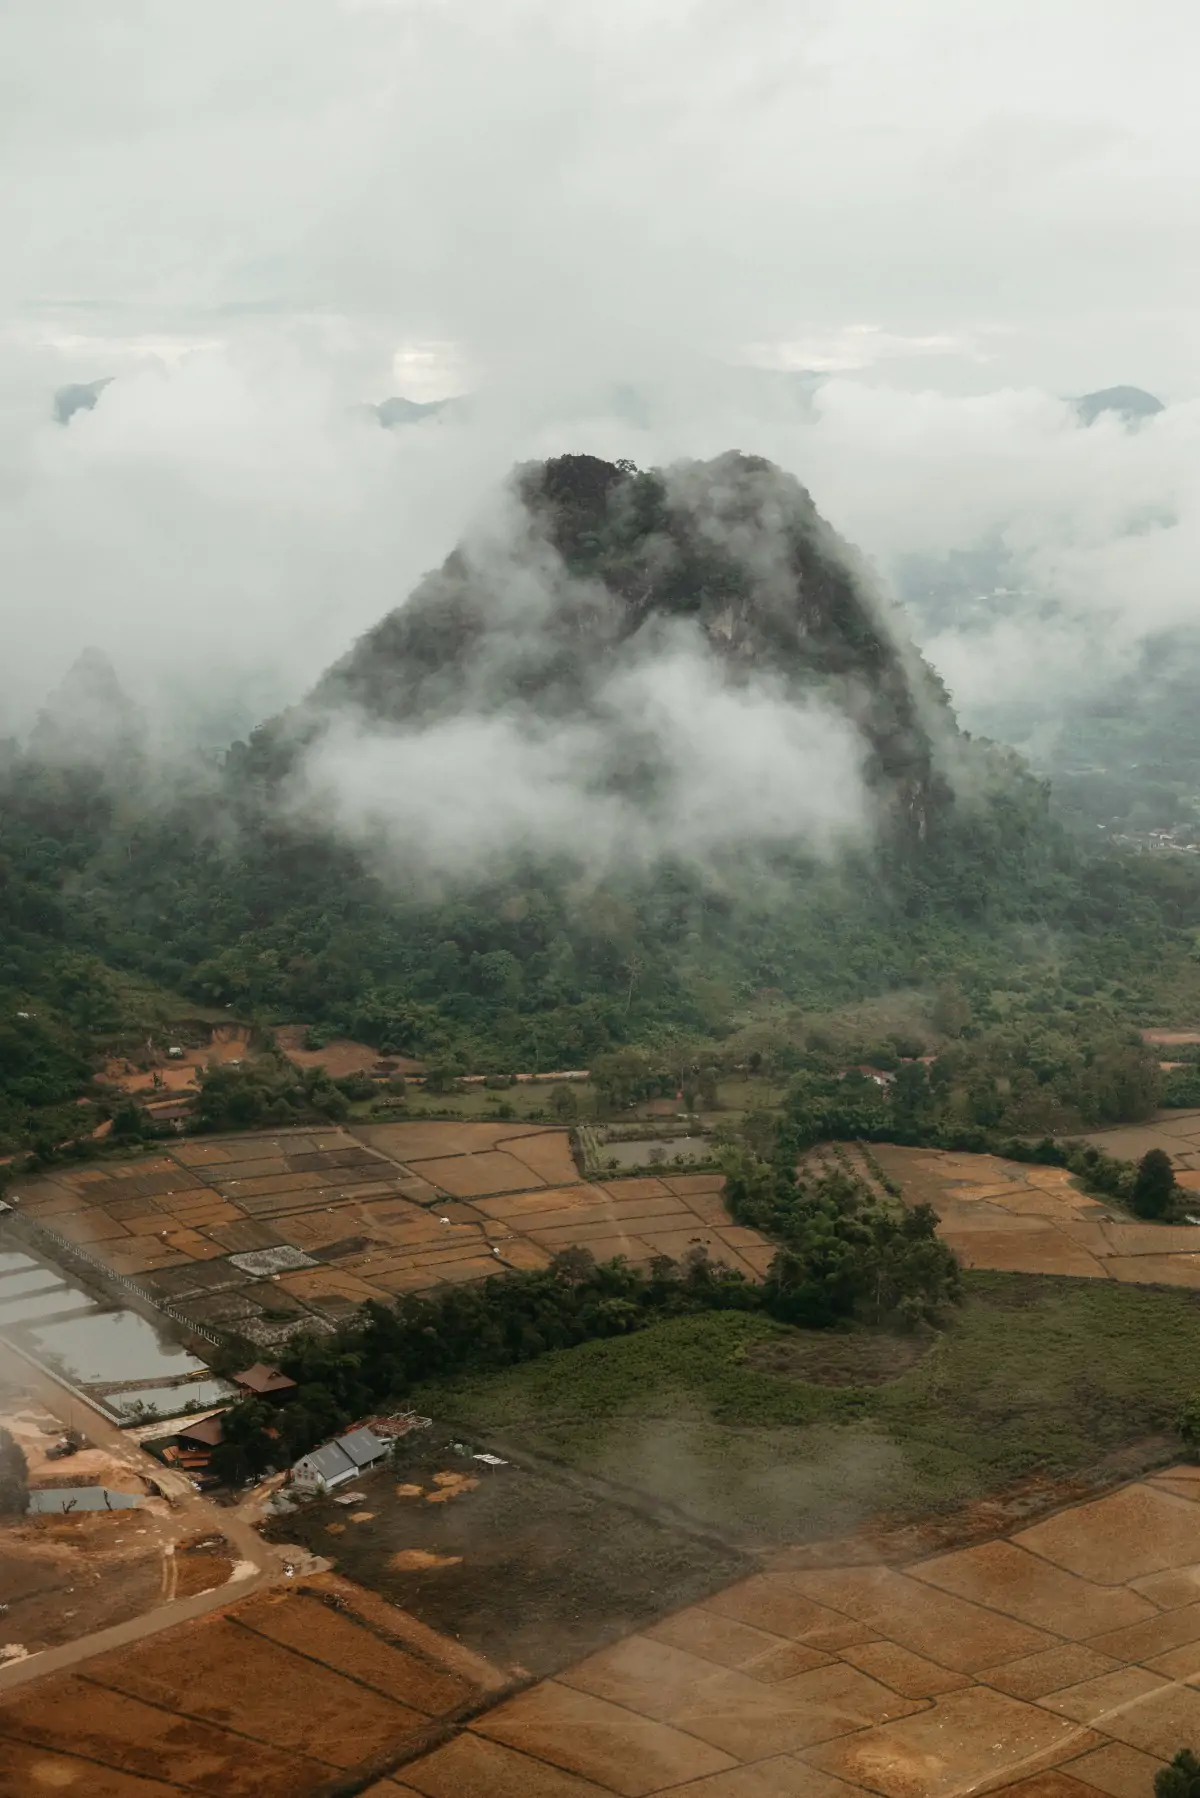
(336, 1462)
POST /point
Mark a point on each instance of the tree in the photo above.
(1181, 1779)
(1188, 1424)
(1154, 1189)
(951, 1010)
(14, 1478)
(623, 1077)
(563, 1104)
(130, 1123)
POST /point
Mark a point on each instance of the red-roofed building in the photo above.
(261, 1381)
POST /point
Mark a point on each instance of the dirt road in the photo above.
(195, 1514)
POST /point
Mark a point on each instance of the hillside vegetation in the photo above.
(216, 884)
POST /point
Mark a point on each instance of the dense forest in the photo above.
(127, 884)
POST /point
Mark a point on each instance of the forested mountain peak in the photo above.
(88, 720)
(598, 566)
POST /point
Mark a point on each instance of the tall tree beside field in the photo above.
(1155, 1189)
(14, 1478)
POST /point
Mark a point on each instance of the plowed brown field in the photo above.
(270, 1700)
(1019, 1218)
(382, 1210)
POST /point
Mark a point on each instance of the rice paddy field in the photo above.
(719, 1558)
(290, 1693)
(270, 1233)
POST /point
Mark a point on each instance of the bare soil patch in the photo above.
(282, 1696)
(341, 1055)
(430, 1138)
(475, 1176)
(528, 1567)
(64, 1577)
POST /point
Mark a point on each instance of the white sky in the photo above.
(259, 212)
(618, 179)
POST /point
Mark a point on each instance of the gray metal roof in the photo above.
(329, 1462)
(362, 1446)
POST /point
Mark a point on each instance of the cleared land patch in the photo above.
(64, 1576)
(526, 1565)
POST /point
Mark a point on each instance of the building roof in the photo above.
(334, 1460)
(330, 1462)
(208, 1430)
(362, 1446)
(262, 1378)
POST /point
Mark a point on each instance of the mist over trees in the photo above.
(236, 886)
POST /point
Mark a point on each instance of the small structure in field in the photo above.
(325, 1468)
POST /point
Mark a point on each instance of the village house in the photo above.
(262, 1381)
(331, 1465)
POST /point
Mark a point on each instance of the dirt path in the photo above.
(164, 1616)
(194, 1513)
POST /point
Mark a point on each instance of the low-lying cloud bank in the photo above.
(668, 763)
(226, 528)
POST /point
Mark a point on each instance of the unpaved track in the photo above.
(195, 1514)
(183, 1610)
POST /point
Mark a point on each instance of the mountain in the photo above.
(399, 411)
(78, 396)
(551, 626)
(88, 720)
(1131, 404)
(606, 563)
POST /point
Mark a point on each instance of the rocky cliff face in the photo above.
(597, 566)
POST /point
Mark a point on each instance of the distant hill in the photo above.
(78, 396)
(88, 720)
(399, 411)
(1129, 403)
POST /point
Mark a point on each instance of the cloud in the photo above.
(615, 183)
(961, 214)
(667, 762)
(226, 526)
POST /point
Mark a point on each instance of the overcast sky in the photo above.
(258, 212)
(1012, 183)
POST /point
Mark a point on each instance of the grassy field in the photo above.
(1035, 1376)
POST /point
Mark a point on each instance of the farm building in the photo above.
(265, 1382)
(207, 1432)
(336, 1462)
(190, 1449)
